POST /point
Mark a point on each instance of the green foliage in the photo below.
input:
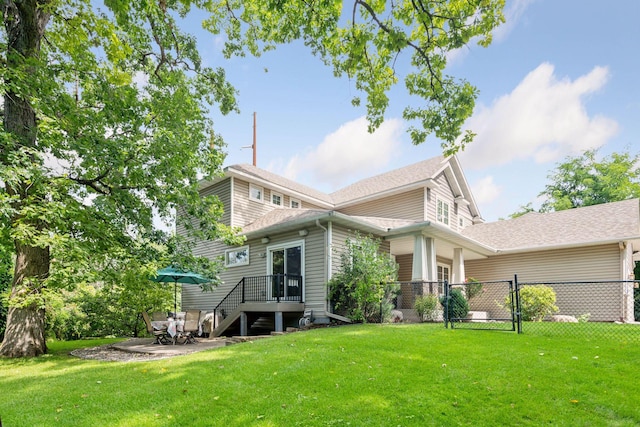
(458, 306)
(472, 288)
(584, 317)
(524, 209)
(366, 284)
(585, 181)
(536, 302)
(367, 41)
(427, 307)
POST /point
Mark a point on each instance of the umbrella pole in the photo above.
(175, 299)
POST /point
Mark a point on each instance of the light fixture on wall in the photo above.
(265, 240)
(303, 232)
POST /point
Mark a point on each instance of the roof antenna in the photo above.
(254, 146)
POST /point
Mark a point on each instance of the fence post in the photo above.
(446, 305)
(243, 282)
(518, 308)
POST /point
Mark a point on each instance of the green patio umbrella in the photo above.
(170, 274)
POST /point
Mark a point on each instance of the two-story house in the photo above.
(425, 216)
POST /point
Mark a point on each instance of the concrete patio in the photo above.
(146, 345)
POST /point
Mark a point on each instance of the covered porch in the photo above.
(428, 255)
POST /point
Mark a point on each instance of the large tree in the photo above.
(106, 115)
(585, 180)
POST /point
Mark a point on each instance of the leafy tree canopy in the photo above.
(107, 118)
(585, 181)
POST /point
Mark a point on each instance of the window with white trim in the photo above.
(236, 257)
(443, 274)
(294, 203)
(256, 193)
(276, 199)
(442, 214)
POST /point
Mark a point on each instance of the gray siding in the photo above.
(313, 274)
(604, 301)
(409, 205)
(245, 211)
(221, 189)
(315, 279)
(405, 271)
(577, 264)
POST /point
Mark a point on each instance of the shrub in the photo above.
(365, 286)
(473, 287)
(458, 305)
(536, 302)
(427, 307)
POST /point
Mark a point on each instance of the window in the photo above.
(255, 193)
(443, 212)
(276, 199)
(294, 203)
(236, 257)
(443, 274)
(461, 222)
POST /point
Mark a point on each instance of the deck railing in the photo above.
(271, 288)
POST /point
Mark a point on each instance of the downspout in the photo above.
(327, 250)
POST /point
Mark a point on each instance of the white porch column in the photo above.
(419, 270)
(430, 259)
(458, 275)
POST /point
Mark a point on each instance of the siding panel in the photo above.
(579, 264)
(604, 301)
(409, 205)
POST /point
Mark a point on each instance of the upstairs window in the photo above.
(294, 203)
(276, 199)
(255, 193)
(443, 212)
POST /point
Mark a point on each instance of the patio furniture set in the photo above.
(181, 328)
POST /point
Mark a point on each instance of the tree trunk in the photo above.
(25, 22)
(25, 330)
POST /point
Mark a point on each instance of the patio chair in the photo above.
(191, 326)
(160, 335)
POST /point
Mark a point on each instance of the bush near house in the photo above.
(365, 286)
(458, 307)
(427, 307)
(536, 302)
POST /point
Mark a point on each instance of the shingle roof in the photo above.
(282, 216)
(281, 181)
(390, 180)
(598, 223)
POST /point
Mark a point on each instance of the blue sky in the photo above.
(560, 77)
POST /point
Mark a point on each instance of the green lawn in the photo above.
(364, 375)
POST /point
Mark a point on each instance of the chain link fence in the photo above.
(598, 309)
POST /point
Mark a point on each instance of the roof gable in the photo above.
(392, 180)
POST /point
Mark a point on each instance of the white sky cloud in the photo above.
(349, 153)
(512, 13)
(543, 119)
(485, 190)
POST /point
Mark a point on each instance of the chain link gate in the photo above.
(483, 305)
